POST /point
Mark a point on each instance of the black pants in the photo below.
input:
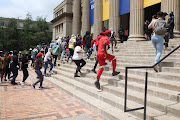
(95, 65)
(15, 73)
(171, 33)
(40, 76)
(55, 59)
(80, 64)
(7, 72)
(71, 53)
(25, 74)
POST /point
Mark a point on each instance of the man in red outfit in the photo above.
(102, 55)
(96, 42)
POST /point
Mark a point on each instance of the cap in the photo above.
(30, 49)
(107, 32)
(39, 54)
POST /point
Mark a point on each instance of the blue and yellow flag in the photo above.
(105, 10)
(148, 3)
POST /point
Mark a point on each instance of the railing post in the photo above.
(145, 96)
(125, 97)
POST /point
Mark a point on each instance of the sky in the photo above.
(19, 8)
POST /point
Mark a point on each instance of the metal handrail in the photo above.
(146, 81)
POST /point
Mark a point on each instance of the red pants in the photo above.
(101, 59)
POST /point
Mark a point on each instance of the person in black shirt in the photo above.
(38, 66)
(24, 67)
(87, 41)
(14, 67)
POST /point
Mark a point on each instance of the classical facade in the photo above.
(79, 16)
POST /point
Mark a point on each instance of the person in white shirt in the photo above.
(47, 60)
(77, 58)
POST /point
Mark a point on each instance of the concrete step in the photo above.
(166, 117)
(171, 69)
(108, 111)
(155, 91)
(174, 109)
(110, 99)
(153, 102)
(162, 83)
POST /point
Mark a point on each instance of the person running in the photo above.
(112, 40)
(158, 36)
(72, 43)
(37, 67)
(102, 55)
(96, 42)
(87, 41)
(77, 58)
(14, 67)
(6, 66)
(24, 67)
(63, 49)
(47, 60)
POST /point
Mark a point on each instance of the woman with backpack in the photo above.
(159, 27)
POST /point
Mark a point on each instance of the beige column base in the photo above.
(136, 38)
(177, 34)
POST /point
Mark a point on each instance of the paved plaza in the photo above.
(24, 103)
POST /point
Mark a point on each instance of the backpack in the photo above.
(55, 50)
(160, 27)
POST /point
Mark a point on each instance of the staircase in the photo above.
(163, 98)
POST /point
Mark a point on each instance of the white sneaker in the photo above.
(89, 60)
(50, 72)
(22, 83)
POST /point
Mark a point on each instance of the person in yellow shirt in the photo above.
(72, 43)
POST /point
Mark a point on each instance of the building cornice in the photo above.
(61, 16)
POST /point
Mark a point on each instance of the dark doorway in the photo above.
(124, 20)
(151, 10)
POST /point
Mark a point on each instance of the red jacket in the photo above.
(95, 41)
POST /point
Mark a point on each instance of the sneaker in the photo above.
(94, 71)
(155, 69)
(97, 84)
(40, 88)
(33, 86)
(22, 83)
(88, 60)
(50, 72)
(115, 73)
(76, 75)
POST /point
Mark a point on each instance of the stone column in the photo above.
(85, 16)
(174, 6)
(137, 20)
(114, 18)
(76, 17)
(97, 17)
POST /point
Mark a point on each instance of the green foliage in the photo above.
(32, 34)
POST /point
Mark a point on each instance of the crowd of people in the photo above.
(76, 48)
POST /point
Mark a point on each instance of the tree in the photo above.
(11, 36)
(42, 33)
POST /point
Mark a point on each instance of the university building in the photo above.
(79, 16)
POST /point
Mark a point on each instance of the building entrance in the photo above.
(151, 10)
(124, 20)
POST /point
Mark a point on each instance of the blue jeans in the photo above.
(62, 54)
(46, 65)
(158, 44)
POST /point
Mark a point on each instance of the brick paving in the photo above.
(24, 103)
